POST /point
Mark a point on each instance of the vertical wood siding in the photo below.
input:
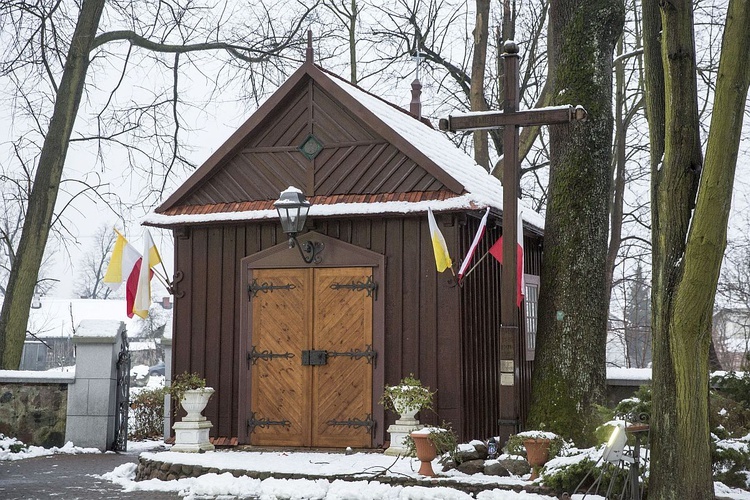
(480, 334)
(480, 318)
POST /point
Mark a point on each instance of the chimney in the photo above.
(309, 55)
(415, 106)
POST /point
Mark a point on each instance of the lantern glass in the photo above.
(292, 208)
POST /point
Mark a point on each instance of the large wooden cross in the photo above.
(510, 119)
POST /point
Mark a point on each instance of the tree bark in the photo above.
(569, 372)
(688, 251)
(476, 92)
(22, 280)
(654, 79)
(618, 174)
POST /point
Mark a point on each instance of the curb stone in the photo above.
(152, 469)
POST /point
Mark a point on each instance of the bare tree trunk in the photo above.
(618, 196)
(569, 372)
(689, 245)
(476, 92)
(654, 79)
(15, 313)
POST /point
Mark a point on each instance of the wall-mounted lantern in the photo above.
(292, 208)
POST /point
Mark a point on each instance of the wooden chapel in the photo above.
(299, 352)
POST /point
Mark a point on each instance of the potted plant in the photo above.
(428, 443)
(407, 398)
(539, 447)
(191, 434)
(191, 391)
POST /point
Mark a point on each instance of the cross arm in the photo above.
(495, 119)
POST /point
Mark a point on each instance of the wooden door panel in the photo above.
(342, 389)
(281, 330)
(321, 405)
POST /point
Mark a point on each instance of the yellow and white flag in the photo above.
(122, 262)
(151, 258)
(442, 257)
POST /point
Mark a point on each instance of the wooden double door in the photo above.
(311, 359)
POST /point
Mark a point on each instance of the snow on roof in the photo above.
(482, 189)
(463, 202)
(628, 376)
(143, 345)
(56, 317)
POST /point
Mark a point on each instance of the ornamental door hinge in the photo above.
(368, 354)
(264, 423)
(254, 355)
(368, 422)
(369, 286)
(314, 357)
(265, 287)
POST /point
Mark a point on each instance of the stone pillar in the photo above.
(398, 431)
(191, 434)
(166, 343)
(92, 398)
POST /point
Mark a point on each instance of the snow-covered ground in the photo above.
(361, 466)
(364, 466)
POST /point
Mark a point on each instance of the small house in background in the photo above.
(52, 323)
(299, 347)
(731, 336)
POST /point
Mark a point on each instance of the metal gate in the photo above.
(123, 396)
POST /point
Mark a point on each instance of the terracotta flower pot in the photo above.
(537, 454)
(426, 452)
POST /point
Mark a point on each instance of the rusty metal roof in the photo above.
(247, 206)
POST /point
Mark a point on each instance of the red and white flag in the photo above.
(124, 265)
(497, 251)
(474, 244)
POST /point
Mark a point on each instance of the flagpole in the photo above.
(161, 278)
(476, 264)
(166, 280)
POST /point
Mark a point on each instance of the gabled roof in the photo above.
(432, 172)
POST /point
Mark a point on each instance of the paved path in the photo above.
(68, 477)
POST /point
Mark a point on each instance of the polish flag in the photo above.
(124, 265)
(497, 251)
(474, 244)
(143, 283)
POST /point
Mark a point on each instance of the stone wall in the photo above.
(34, 413)
(165, 471)
(50, 408)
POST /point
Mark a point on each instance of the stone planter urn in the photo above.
(537, 454)
(407, 399)
(191, 434)
(194, 401)
(407, 413)
(426, 452)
